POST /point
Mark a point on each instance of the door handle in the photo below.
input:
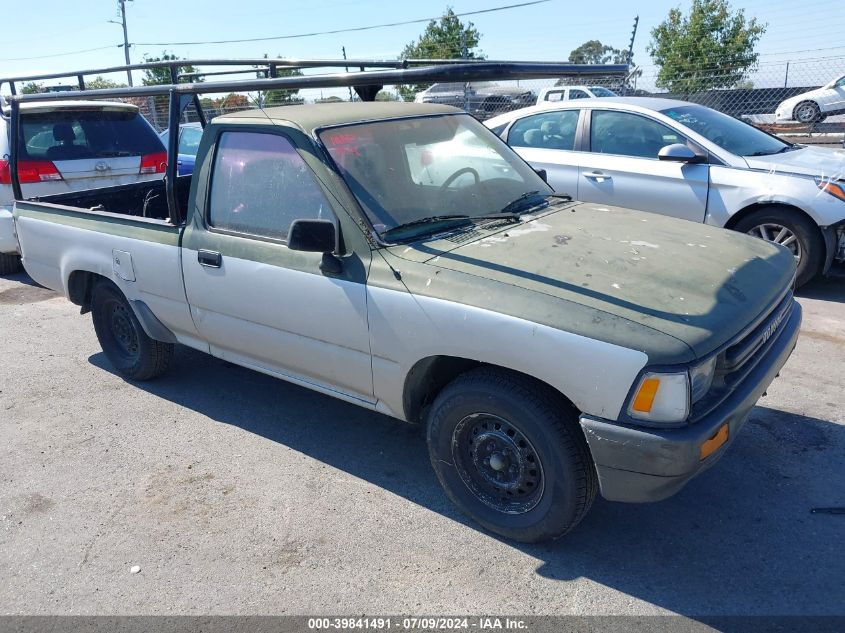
(209, 258)
(597, 176)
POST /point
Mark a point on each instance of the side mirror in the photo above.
(679, 153)
(316, 236)
(543, 174)
(312, 236)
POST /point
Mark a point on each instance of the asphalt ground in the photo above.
(235, 493)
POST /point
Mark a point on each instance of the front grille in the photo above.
(741, 356)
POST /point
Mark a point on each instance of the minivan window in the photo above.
(260, 185)
(85, 134)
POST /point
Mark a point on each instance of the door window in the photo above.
(260, 184)
(549, 130)
(575, 93)
(627, 134)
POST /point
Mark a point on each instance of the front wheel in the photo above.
(789, 229)
(511, 455)
(134, 355)
(807, 112)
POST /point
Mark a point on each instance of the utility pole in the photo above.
(125, 39)
(633, 37)
(343, 48)
(630, 59)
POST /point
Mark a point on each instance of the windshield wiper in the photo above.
(780, 151)
(459, 220)
(434, 219)
(515, 206)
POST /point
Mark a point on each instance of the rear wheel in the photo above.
(792, 230)
(10, 263)
(511, 455)
(134, 354)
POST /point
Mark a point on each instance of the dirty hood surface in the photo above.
(807, 161)
(697, 283)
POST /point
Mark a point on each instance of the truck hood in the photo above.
(699, 284)
(807, 161)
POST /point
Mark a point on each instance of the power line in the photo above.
(347, 30)
(87, 50)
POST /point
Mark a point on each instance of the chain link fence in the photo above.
(772, 87)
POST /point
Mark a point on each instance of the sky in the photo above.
(545, 32)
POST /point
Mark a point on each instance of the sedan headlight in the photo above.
(833, 188)
(666, 397)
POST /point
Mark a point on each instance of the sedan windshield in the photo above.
(422, 171)
(727, 132)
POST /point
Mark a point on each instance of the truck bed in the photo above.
(146, 199)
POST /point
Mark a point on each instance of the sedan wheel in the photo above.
(779, 235)
(807, 112)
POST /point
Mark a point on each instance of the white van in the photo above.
(72, 146)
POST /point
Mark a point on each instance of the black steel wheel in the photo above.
(132, 352)
(509, 452)
(498, 463)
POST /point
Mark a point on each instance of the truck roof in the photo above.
(311, 116)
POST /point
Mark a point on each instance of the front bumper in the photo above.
(8, 239)
(636, 464)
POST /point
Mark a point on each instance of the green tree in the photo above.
(386, 95)
(101, 83)
(32, 88)
(161, 76)
(446, 38)
(711, 47)
(594, 52)
(282, 96)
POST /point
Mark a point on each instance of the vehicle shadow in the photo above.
(739, 539)
(825, 289)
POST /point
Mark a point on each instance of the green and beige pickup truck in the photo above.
(403, 258)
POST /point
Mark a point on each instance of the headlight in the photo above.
(701, 379)
(834, 189)
(661, 397)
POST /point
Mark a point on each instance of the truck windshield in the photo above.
(727, 132)
(405, 170)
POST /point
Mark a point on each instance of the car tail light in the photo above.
(153, 163)
(29, 171)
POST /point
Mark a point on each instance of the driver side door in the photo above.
(621, 167)
(255, 301)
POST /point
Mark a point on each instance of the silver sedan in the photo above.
(691, 162)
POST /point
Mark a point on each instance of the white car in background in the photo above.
(567, 93)
(688, 161)
(815, 105)
(73, 146)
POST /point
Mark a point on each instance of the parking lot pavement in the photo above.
(238, 493)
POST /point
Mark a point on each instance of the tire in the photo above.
(10, 263)
(807, 112)
(548, 479)
(809, 245)
(134, 354)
